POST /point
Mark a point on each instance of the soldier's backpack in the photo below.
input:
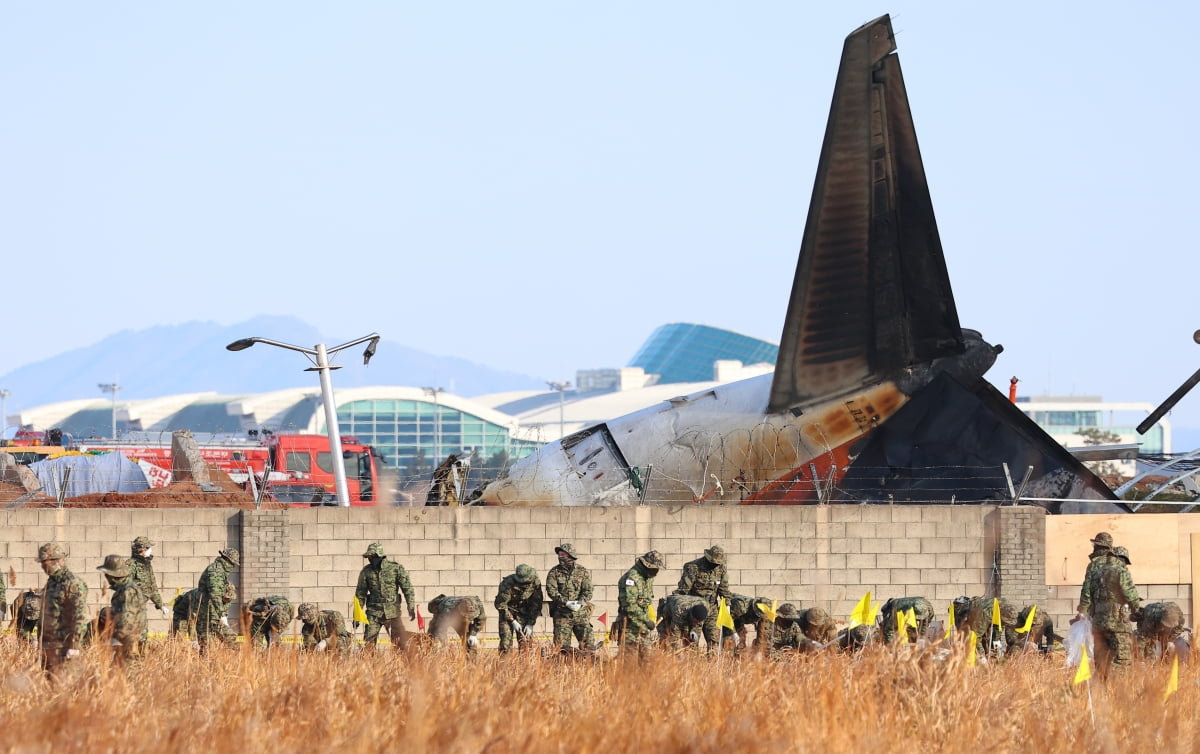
(30, 606)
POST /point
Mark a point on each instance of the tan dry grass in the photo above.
(242, 701)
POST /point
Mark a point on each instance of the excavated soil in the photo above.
(177, 495)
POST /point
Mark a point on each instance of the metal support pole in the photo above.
(331, 426)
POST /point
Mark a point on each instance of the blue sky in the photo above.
(537, 186)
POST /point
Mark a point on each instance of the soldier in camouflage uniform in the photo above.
(462, 615)
(212, 616)
(27, 613)
(142, 572)
(519, 602)
(818, 626)
(706, 577)
(323, 630)
(183, 613)
(1111, 600)
(922, 612)
(64, 618)
(381, 583)
(787, 636)
(125, 620)
(682, 619)
(635, 594)
(269, 618)
(1160, 624)
(569, 587)
(975, 614)
(1040, 635)
(745, 613)
(3, 599)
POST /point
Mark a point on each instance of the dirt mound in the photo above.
(178, 495)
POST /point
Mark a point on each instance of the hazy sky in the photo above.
(537, 186)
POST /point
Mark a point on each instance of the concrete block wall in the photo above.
(265, 551)
(1021, 554)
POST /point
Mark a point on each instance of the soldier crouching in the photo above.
(462, 615)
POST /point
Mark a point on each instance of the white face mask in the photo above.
(149, 551)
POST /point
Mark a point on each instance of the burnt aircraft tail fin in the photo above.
(871, 293)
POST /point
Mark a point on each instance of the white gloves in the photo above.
(321, 645)
(225, 621)
(472, 641)
(72, 654)
(528, 631)
(736, 640)
(195, 645)
(166, 611)
(516, 626)
(574, 605)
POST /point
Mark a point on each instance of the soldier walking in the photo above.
(519, 602)
(1111, 600)
(141, 571)
(381, 584)
(212, 615)
(125, 622)
(635, 594)
(64, 617)
(569, 587)
(706, 577)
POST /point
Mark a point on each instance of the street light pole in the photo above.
(112, 388)
(561, 387)
(319, 356)
(437, 423)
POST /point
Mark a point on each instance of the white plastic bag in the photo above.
(1079, 635)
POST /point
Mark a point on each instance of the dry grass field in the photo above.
(886, 699)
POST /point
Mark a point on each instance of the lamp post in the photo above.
(112, 388)
(319, 356)
(4, 393)
(437, 424)
(561, 387)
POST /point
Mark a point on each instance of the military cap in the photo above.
(652, 559)
(787, 611)
(114, 565)
(142, 543)
(525, 573)
(698, 612)
(51, 551)
(374, 550)
(306, 612)
(715, 555)
(817, 618)
(1123, 554)
(1104, 539)
(568, 549)
(231, 555)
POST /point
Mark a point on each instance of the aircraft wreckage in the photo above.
(878, 393)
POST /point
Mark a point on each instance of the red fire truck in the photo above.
(294, 468)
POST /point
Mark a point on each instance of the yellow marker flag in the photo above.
(862, 613)
(1085, 668)
(950, 622)
(359, 615)
(178, 594)
(901, 625)
(1028, 621)
(996, 612)
(1173, 681)
(652, 611)
(768, 610)
(911, 620)
(724, 617)
(972, 640)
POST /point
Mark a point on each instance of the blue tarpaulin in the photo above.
(107, 472)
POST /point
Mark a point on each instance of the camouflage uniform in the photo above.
(635, 594)
(323, 626)
(570, 582)
(381, 583)
(142, 573)
(125, 621)
(681, 620)
(213, 584)
(817, 625)
(975, 614)
(706, 577)
(269, 618)
(183, 613)
(462, 615)
(1159, 624)
(64, 618)
(745, 613)
(923, 614)
(27, 612)
(1109, 597)
(519, 599)
(788, 636)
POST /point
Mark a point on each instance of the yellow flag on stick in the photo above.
(724, 617)
(950, 622)
(1173, 681)
(768, 611)
(1028, 621)
(652, 611)
(910, 617)
(359, 615)
(996, 612)
(862, 613)
(972, 640)
(1085, 668)
(901, 624)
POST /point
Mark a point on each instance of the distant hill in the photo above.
(188, 358)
